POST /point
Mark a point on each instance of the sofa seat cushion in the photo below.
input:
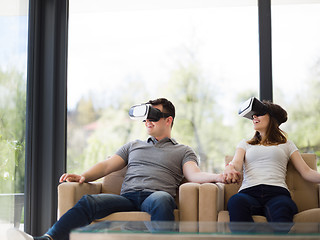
(311, 215)
(223, 216)
(132, 216)
(126, 216)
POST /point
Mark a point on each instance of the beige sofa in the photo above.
(213, 198)
(69, 193)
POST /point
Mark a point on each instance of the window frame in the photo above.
(47, 103)
(46, 111)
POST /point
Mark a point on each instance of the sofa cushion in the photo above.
(303, 193)
(133, 216)
(311, 215)
(223, 216)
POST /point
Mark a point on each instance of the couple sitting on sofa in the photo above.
(155, 168)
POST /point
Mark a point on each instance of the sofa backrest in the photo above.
(305, 194)
(112, 182)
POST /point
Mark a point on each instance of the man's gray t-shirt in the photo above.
(154, 165)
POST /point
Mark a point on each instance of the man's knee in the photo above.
(158, 201)
(161, 198)
(160, 206)
(86, 202)
(86, 199)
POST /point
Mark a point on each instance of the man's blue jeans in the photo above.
(273, 202)
(160, 205)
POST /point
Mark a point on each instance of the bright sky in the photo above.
(148, 45)
(107, 45)
(110, 41)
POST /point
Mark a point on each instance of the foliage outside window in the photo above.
(205, 60)
(205, 90)
(296, 64)
(13, 62)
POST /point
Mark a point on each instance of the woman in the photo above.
(264, 161)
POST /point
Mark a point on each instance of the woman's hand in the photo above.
(70, 177)
(231, 175)
(233, 171)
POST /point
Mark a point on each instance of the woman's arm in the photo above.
(232, 172)
(306, 172)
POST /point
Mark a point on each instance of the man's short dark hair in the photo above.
(167, 106)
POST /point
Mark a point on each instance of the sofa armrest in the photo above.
(211, 198)
(69, 193)
(221, 189)
(188, 201)
(319, 195)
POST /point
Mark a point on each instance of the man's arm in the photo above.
(97, 171)
(192, 173)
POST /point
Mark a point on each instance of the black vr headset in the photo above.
(252, 107)
(146, 111)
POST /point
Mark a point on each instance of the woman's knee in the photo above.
(238, 199)
(281, 209)
(241, 207)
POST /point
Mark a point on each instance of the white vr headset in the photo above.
(146, 111)
(251, 107)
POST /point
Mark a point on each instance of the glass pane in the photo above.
(13, 65)
(296, 70)
(202, 57)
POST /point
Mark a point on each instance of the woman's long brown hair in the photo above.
(274, 134)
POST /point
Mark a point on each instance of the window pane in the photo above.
(296, 64)
(13, 65)
(204, 58)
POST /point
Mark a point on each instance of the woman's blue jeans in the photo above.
(273, 202)
(160, 205)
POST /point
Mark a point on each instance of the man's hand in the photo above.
(231, 175)
(221, 178)
(70, 177)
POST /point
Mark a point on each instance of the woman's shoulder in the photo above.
(243, 144)
(289, 143)
(289, 146)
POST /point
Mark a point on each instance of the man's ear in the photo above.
(169, 120)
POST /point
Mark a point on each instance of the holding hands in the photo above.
(233, 170)
(231, 175)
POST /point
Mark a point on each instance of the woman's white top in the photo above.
(266, 164)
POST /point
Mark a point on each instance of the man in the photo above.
(155, 169)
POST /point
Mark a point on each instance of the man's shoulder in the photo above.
(185, 148)
(133, 143)
(136, 142)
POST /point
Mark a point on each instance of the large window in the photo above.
(296, 64)
(13, 62)
(204, 58)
